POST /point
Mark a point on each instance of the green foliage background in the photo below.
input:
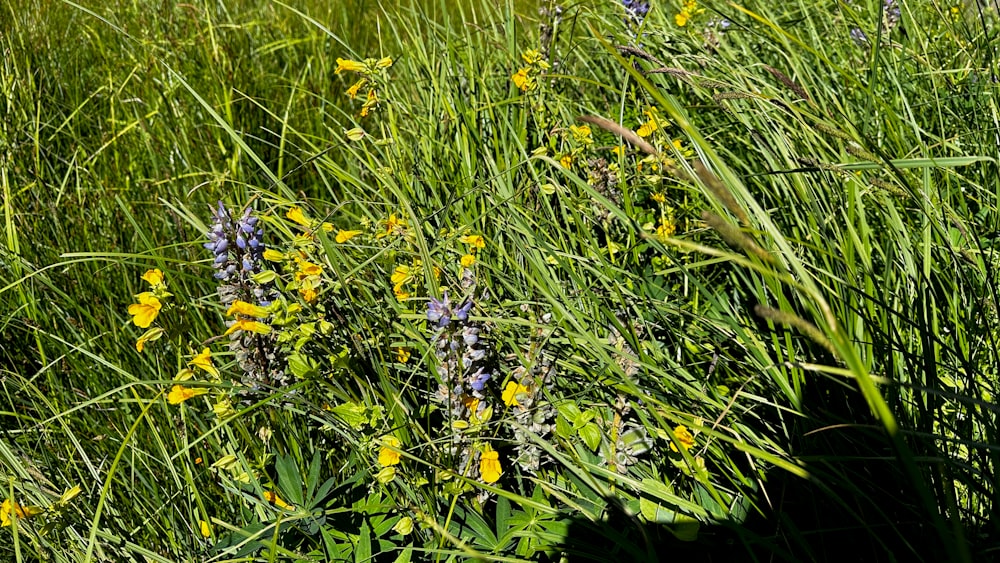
(823, 319)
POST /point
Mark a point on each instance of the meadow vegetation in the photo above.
(328, 281)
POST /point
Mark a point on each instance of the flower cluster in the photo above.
(148, 307)
(525, 77)
(373, 76)
(239, 251)
(688, 11)
(635, 11)
(462, 374)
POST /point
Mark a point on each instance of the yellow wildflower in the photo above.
(384, 62)
(618, 151)
(581, 134)
(681, 18)
(684, 437)
(400, 276)
(273, 498)
(150, 335)
(471, 403)
(352, 92)
(247, 310)
(370, 103)
(393, 226)
(249, 326)
(522, 80)
(566, 161)
(145, 311)
(203, 361)
(531, 56)
(154, 277)
(489, 466)
(387, 455)
(400, 293)
(296, 214)
(344, 236)
(306, 269)
(510, 392)
(467, 261)
(647, 128)
(659, 197)
(205, 529)
(666, 228)
(178, 394)
(10, 507)
(348, 65)
(402, 355)
(309, 295)
(474, 240)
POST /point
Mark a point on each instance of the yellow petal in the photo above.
(206, 530)
(145, 311)
(510, 393)
(474, 240)
(178, 394)
(489, 466)
(203, 361)
(274, 499)
(249, 326)
(344, 236)
(387, 455)
(296, 214)
(348, 65)
(245, 309)
(467, 261)
(384, 62)
(154, 277)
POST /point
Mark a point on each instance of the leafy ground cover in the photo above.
(326, 281)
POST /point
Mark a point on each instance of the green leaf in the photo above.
(351, 414)
(363, 550)
(303, 366)
(591, 435)
(289, 479)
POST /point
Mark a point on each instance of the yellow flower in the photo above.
(344, 236)
(203, 361)
(352, 92)
(400, 276)
(307, 268)
(178, 394)
(401, 294)
(467, 261)
(273, 498)
(618, 151)
(684, 437)
(12, 507)
(348, 65)
(531, 56)
(145, 311)
(384, 62)
(393, 225)
(402, 355)
(370, 103)
(296, 214)
(666, 228)
(249, 326)
(387, 455)
(682, 18)
(510, 393)
(474, 240)
(150, 335)
(205, 529)
(327, 227)
(154, 277)
(581, 133)
(522, 80)
(566, 161)
(658, 197)
(471, 403)
(647, 128)
(247, 310)
(309, 295)
(489, 466)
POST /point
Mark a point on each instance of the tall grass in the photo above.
(773, 337)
